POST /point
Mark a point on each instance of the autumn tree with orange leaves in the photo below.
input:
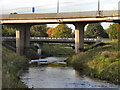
(50, 32)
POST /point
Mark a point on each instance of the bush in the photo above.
(106, 54)
(102, 62)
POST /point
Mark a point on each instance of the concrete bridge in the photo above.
(23, 22)
(53, 40)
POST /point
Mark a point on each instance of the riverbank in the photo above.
(102, 62)
(12, 64)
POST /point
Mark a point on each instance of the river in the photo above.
(59, 76)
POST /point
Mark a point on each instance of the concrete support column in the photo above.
(79, 37)
(27, 39)
(22, 39)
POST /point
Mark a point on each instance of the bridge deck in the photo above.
(59, 15)
(109, 15)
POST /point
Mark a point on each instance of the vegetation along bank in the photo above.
(12, 65)
(102, 62)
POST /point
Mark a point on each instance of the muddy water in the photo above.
(59, 76)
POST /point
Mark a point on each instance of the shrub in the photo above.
(118, 54)
(106, 54)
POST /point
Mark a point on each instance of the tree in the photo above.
(50, 32)
(111, 31)
(94, 30)
(39, 30)
(8, 30)
(62, 30)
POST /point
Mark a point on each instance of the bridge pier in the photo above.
(22, 39)
(79, 37)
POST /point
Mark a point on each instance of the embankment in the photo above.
(102, 62)
(11, 66)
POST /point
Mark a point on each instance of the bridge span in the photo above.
(23, 22)
(53, 40)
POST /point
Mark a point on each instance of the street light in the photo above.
(99, 7)
(58, 6)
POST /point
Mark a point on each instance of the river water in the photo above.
(59, 76)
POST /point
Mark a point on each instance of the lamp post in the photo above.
(99, 7)
(57, 6)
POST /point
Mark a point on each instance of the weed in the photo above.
(106, 54)
(11, 64)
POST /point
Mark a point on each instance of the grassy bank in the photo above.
(57, 49)
(102, 62)
(11, 65)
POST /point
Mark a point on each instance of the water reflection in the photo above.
(59, 77)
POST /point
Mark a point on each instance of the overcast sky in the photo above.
(45, 6)
(49, 6)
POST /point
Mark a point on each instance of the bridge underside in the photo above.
(62, 21)
(23, 38)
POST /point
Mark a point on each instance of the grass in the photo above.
(57, 49)
(11, 65)
(102, 62)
